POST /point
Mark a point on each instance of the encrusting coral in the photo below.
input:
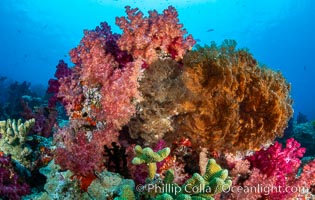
(233, 103)
(13, 137)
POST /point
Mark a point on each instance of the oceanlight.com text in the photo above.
(197, 189)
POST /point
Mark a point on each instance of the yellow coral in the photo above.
(13, 137)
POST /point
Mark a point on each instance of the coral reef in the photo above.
(98, 97)
(107, 90)
(13, 139)
(147, 87)
(45, 119)
(233, 104)
(59, 185)
(62, 71)
(15, 97)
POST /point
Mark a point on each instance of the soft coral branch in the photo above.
(147, 38)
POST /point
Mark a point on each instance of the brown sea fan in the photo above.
(233, 104)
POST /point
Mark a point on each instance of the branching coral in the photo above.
(13, 137)
(276, 159)
(149, 157)
(280, 163)
(234, 104)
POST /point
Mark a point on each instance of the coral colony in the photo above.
(150, 115)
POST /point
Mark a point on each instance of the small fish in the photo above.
(210, 30)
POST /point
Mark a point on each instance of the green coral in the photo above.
(214, 181)
(13, 139)
(149, 157)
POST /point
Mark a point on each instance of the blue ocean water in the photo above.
(35, 34)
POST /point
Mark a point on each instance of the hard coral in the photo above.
(234, 104)
(13, 139)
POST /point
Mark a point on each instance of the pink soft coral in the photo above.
(148, 38)
(106, 74)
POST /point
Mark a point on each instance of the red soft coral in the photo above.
(280, 163)
(82, 151)
(277, 160)
(10, 186)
